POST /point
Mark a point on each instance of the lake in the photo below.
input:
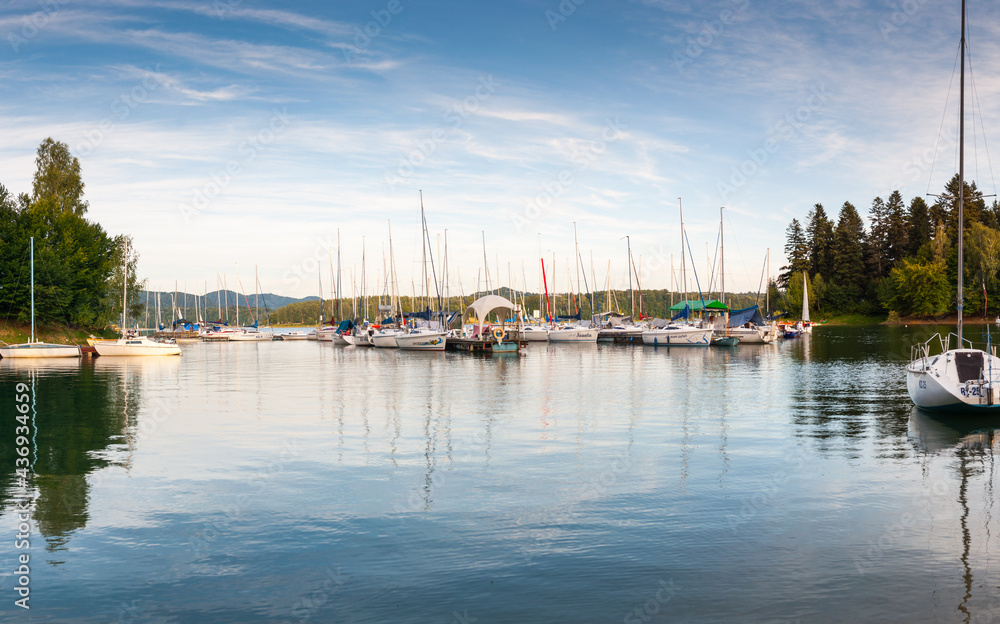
(303, 482)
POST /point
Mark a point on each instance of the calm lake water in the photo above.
(301, 482)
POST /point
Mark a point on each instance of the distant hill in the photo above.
(270, 301)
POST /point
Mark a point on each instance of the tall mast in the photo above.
(322, 305)
(364, 300)
(31, 245)
(684, 278)
(577, 261)
(339, 296)
(486, 263)
(631, 295)
(722, 256)
(961, 178)
(124, 289)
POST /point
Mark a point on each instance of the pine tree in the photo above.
(849, 252)
(796, 251)
(919, 226)
(820, 235)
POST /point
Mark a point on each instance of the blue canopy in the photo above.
(746, 315)
(345, 325)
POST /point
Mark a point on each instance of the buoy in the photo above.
(498, 335)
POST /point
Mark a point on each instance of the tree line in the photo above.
(904, 263)
(78, 276)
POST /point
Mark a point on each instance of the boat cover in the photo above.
(746, 315)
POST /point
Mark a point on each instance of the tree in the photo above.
(897, 231)
(797, 252)
(982, 256)
(820, 233)
(920, 288)
(919, 226)
(57, 178)
(849, 252)
(879, 243)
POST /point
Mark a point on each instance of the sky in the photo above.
(224, 135)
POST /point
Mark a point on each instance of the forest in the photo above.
(77, 264)
(903, 264)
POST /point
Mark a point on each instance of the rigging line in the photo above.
(978, 108)
(944, 114)
(739, 251)
(17, 286)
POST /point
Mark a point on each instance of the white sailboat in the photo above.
(424, 338)
(805, 326)
(33, 348)
(131, 343)
(963, 379)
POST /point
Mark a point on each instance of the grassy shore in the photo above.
(14, 333)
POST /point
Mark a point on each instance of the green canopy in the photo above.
(696, 305)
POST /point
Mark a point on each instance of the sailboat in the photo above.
(130, 342)
(33, 348)
(424, 338)
(805, 326)
(962, 379)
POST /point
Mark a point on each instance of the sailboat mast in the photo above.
(722, 257)
(124, 289)
(31, 245)
(684, 279)
(339, 296)
(961, 178)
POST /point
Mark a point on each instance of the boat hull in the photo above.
(385, 341)
(129, 347)
(573, 335)
(39, 350)
(680, 337)
(430, 341)
(933, 385)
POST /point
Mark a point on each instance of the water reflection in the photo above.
(85, 419)
(972, 444)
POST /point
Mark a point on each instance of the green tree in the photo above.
(919, 226)
(982, 257)
(919, 288)
(820, 235)
(58, 178)
(849, 252)
(796, 251)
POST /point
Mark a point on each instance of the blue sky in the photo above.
(242, 132)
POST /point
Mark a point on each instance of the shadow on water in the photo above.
(971, 442)
(83, 420)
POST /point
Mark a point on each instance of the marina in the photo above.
(238, 482)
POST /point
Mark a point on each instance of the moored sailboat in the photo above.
(963, 379)
(33, 348)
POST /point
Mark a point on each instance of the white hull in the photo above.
(298, 336)
(39, 350)
(250, 336)
(535, 334)
(575, 334)
(421, 341)
(386, 339)
(363, 339)
(136, 346)
(749, 335)
(678, 337)
(935, 382)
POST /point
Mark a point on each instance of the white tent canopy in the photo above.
(484, 305)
